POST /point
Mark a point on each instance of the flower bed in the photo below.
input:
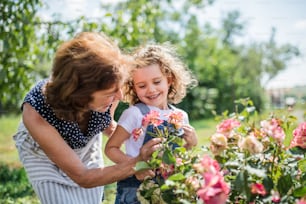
(247, 162)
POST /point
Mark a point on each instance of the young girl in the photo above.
(158, 80)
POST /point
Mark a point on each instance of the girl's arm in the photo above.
(190, 136)
(114, 153)
(113, 146)
(67, 160)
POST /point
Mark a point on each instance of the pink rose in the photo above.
(226, 126)
(258, 188)
(153, 117)
(299, 136)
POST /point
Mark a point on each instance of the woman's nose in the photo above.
(119, 95)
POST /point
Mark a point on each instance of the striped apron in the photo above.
(50, 183)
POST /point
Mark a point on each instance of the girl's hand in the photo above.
(190, 136)
(148, 148)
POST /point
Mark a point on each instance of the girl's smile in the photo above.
(151, 86)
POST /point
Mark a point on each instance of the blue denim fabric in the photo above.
(150, 129)
(126, 195)
(126, 191)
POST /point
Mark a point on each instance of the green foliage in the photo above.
(225, 71)
(17, 35)
(14, 184)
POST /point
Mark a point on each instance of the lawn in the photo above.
(15, 188)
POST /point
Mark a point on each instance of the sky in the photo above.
(288, 17)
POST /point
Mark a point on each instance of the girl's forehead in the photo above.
(146, 73)
(148, 68)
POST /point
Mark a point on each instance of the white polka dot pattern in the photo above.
(70, 131)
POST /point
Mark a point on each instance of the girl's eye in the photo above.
(141, 87)
(157, 82)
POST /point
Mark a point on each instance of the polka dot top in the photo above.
(70, 131)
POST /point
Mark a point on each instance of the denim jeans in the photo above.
(126, 191)
(126, 195)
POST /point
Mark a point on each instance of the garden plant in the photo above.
(249, 160)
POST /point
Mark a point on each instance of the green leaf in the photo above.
(284, 184)
(176, 177)
(302, 165)
(268, 183)
(168, 157)
(238, 184)
(141, 165)
(300, 192)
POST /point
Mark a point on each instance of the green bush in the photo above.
(14, 185)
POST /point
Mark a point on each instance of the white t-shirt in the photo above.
(131, 118)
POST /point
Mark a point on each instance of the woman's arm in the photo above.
(67, 160)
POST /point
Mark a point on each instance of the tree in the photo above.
(225, 71)
(18, 39)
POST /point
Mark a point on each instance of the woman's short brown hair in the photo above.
(87, 63)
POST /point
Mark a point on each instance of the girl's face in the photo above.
(101, 100)
(151, 86)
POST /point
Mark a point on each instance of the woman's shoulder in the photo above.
(36, 91)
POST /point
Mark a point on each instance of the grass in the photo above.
(8, 152)
(9, 155)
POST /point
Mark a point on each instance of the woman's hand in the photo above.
(141, 175)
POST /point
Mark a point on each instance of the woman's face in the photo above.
(151, 86)
(101, 100)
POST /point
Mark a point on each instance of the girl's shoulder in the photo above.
(132, 110)
(131, 113)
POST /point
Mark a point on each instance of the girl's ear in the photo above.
(170, 80)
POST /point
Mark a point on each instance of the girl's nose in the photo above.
(151, 88)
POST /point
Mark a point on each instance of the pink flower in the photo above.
(175, 118)
(136, 133)
(179, 161)
(218, 143)
(166, 170)
(226, 126)
(258, 188)
(273, 129)
(275, 196)
(214, 190)
(299, 136)
(251, 144)
(207, 164)
(302, 201)
(193, 181)
(153, 117)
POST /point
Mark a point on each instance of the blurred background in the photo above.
(236, 48)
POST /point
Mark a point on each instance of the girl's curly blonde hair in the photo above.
(171, 66)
